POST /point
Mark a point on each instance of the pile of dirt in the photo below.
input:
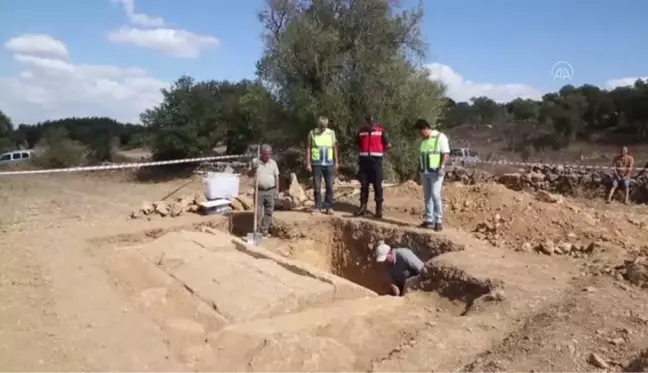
(524, 220)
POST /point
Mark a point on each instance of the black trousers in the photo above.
(370, 172)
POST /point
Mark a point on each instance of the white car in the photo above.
(464, 157)
(16, 156)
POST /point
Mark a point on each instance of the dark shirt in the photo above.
(406, 264)
(385, 139)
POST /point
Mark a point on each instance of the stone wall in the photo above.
(557, 179)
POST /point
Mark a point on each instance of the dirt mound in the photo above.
(524, 220)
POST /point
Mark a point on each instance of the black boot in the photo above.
(362, 210)
(379, 211)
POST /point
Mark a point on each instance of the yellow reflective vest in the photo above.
(322, 147)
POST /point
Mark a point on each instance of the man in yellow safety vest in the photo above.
(322, 162)
(434, 152)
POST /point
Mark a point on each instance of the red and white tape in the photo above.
(120, 166)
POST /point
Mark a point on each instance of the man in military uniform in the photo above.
(372, 144)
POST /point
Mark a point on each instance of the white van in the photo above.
(16, 156)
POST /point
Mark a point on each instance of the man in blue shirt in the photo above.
(402, 264)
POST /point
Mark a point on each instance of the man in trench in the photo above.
(405, 269)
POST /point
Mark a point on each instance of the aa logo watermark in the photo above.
(562, 70)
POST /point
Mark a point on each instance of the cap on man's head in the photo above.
(369, 118)
(382, 250)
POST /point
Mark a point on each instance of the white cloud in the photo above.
(50, 88)
(140, 19)
(174, 42)
(461, 89)
(37, 44)
(622, 82)
(177, 43)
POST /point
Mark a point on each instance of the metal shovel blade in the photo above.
(253, 238)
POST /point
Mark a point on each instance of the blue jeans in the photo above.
(432, 184)
(328, 174)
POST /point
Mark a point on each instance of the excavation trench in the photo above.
(345, 248)
(311, 290)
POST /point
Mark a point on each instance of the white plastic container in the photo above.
(221, 185)
(216, 207)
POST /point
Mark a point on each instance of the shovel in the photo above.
(254, 238)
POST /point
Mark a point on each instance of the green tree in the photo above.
(487, 110)
(6, 129)
(523, 110)
(344, 59)
(59, 150)
(194, 118)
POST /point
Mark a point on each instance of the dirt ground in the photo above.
(77, 296)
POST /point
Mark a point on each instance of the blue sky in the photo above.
(499, 48)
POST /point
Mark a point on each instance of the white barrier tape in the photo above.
(120, 166)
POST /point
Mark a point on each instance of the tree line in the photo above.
(586, 113)
(343, 59)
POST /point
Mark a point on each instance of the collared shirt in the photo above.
(444, 143)
(267, 174)
(406, 264)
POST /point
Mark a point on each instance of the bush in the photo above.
(58, 151)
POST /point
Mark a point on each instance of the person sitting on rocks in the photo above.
(621, 171)
(403, 266)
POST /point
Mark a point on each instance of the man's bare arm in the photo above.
(614, 168)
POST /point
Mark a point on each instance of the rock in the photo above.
(510, 179)
(161, 208)
(547, 247)
(137, 214)
(147, 208)
(199, 198)
(237, 205)
(597, 361)
(564, 248)
(296, 191)
(176, 209)
(637, 271)
(285, 203)
(526, 247)
(185, 202)
(309, 204)
(545, 196)
(536, 176)
(246, 202)
(592, 247)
